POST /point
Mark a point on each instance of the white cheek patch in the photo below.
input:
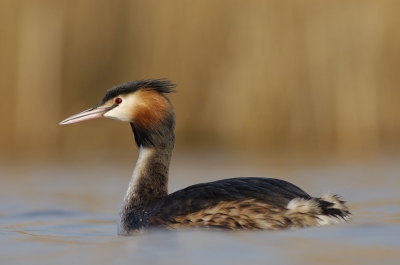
(125, 110)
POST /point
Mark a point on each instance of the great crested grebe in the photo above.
(237, 203)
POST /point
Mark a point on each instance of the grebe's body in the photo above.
(239, 203)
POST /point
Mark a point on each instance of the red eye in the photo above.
(118, 100)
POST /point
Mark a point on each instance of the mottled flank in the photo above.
(246, 214)
(251, 214)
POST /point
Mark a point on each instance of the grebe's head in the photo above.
(141, 103)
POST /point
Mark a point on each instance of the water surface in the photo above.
(65, 213)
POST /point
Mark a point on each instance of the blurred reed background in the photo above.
(265, 76)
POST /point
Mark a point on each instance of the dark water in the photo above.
(67, 214)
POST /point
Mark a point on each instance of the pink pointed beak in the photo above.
(85, 115)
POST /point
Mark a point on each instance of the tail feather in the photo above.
(329, 209)
(335, 212)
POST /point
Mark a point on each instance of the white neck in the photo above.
(139, 171)
(148, 184)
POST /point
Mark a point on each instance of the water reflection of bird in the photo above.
(237, 203)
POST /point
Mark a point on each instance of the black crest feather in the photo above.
(160, 85)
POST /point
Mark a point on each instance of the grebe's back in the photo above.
(239, 203)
